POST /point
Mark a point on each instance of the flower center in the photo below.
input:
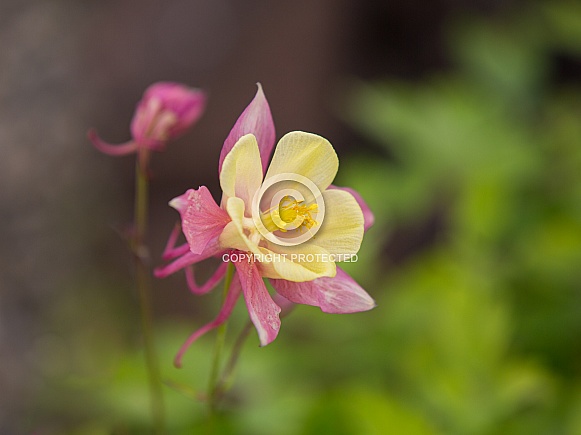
(292, 214)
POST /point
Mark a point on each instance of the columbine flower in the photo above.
(304, 273)
(164, 113)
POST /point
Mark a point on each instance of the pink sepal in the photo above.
(202, 219)
(110, 149)
(339, 295)
(255, 119)
(209, 284)
(227, 307)
(285, 305)
(368, 217)
(263, 312)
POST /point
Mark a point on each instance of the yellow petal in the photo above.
(298, 263)
(241, 174)
(341, 231)
(305, 154)
(233, 236)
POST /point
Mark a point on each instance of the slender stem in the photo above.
(143, 280)
(218, 347)
(226, 378)
(141, 198)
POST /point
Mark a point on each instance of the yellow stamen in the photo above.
(290, 215)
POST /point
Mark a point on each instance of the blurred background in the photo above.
(458, 121)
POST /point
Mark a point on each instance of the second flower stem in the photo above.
(143, 281)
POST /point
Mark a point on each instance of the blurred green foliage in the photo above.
(474, 260)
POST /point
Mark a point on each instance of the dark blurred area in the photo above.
(68, 66)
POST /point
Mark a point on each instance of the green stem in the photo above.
(141, 198)
(226, 378)
(218, 347)
(143, 281)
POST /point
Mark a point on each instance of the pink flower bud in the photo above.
(164, 113)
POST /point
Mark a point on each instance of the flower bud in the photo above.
(164, 113)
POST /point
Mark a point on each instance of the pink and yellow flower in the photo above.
(303, 273)
(164, 113)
